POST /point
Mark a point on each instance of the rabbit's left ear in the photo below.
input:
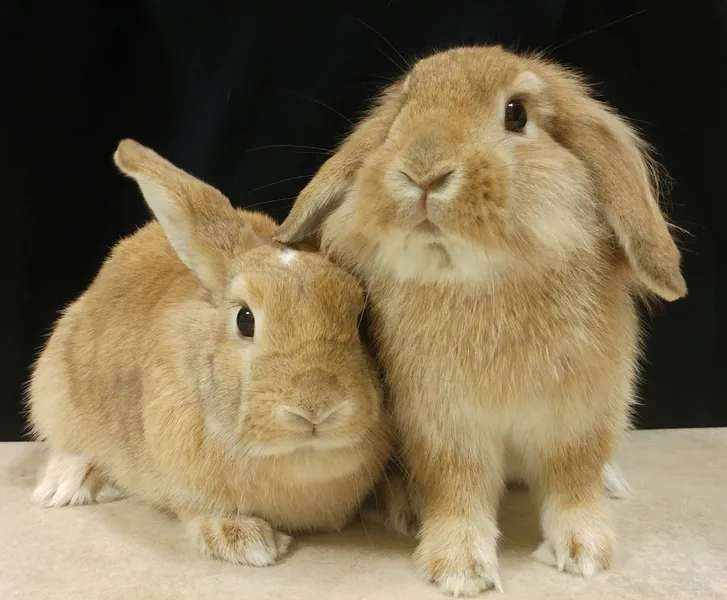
(619, 164)
(198, 220)
(326, 191)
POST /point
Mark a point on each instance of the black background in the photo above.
(227, 89)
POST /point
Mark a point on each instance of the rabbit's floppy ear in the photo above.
(325, 192)
(625, 184)
(198, 220)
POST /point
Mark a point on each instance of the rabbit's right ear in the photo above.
(198, 220)
(325, 192)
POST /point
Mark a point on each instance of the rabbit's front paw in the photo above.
(459, 564)
(577, 541)
(241, 540)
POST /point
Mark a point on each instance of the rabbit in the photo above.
(506, 226)
(213, 373)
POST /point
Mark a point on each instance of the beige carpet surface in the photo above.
(673, 543)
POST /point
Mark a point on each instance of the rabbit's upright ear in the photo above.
(325, 192)
(625, 184)
(198, 220)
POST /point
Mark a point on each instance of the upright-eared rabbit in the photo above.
(505, 224)
(215, 374)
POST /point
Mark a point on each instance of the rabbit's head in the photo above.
(274, 347)
(479, 163)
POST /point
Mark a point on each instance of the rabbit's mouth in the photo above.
(416, 254)
(426, 227)
(311, 443)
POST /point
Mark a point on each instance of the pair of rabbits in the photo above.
(503, 225)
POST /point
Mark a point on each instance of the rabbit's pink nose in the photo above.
(428, 184)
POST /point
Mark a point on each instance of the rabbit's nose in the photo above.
(428, 183)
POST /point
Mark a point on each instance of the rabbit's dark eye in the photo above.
(516, 117)
(246, 322)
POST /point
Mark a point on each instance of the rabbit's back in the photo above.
(87, 390)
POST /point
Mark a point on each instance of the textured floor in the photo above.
(673, 543)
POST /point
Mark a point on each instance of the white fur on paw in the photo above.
(578, 542)
(65, 482)
(464, 585)
(458, 568)
(559, 557)
(615, 483)
(545, 554)
(264, 553)
(243, 540)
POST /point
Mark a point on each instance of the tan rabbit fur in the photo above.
(502, 265)
(146, 385)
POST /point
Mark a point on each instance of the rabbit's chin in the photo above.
(430, 257)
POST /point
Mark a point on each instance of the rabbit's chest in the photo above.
(497, 354)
